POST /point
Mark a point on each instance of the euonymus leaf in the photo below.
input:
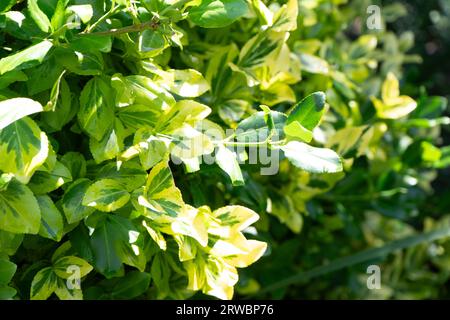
(76, 164)
(137, 116)
(7, 270)
(130, 174)
(6, 5)
(43, 182)
(255, 128)
(44, 284)
(305, 116)
(10, 242)
(187, 83)
(14, 109)
(151, 43)
(64, 293)
(65, 108)
(92, 43)
(84, 11)
(96, 112)
(112, 243)
(11, 77)
(86, 63)
(151, 149)
(26, 58)
(72, 201)
(311, 159)
(183, 112)
(160, 195)
(227, 161)
(52, 223)
(111, 144)
(142, 91)
(217, 13)
(393, 105)
(63, 267)
(131, 286)
(106, 195)
(38, 16)
(24, 147)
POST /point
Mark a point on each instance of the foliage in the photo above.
(139, 139)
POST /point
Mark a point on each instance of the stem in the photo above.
(102, 18)
(135, 27)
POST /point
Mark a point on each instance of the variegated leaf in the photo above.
(19, 210)
(24, 148)
(106, 195)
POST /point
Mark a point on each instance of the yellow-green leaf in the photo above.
(64, 265)
(44, 284)
(106, 195)
(14, 109)
(24, 148)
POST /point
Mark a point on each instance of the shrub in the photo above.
(150, 149)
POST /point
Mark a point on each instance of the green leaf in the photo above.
(138, 116)
(10, 242)
(52, 224)
(111, 144)
(44, 284)
(38, 16)
(88, 42)
(7, 292)
(6, 5)
(64, 293)
(189, 143)
(44, 77)
(26, 58)
(14, 109)
(151, 43)
(106, 195)
(316, 160)
(58, 17)
(65, 108)
(114, 243)
(80, 62)
(7, 271)
(44, 182)
(76, 164)
(130, 174)
(217, 13)
(140, 90)
(72, 201)
(313, 64)
(132, 285)
(96, 108)
(24, 148)
(305, 116)
(62, 267)
(151, 149)
(255, 128)
(183, 112)
(11, 77)
(160, 195)
(187, 83)
(84, 11)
